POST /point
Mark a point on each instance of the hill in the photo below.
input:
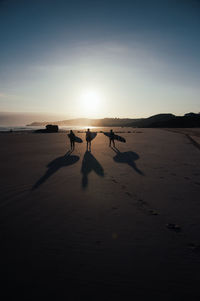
(90, 122)
(189, 120)
(160, 120)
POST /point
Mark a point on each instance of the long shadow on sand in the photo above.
(55, 165)
(128, 158)
(89, 164)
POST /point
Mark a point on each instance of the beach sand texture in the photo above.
(114, 223)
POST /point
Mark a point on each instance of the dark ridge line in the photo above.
(196, 144)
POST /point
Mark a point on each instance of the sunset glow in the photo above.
(90, 102)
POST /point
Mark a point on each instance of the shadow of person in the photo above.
(55, 165)
(89, 164)
(128, 158)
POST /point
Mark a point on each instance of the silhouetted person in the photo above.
(72, 139)
(112, 140)
(88, 139)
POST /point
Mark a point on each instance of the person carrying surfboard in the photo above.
(112, 140)
(72, 139)
(88, 139)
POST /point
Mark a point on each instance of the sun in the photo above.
(90, 101)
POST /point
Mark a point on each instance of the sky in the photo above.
(113, 58)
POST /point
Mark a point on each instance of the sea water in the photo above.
(33, 128)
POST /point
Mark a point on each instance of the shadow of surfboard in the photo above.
(127, 157)
(55, 165)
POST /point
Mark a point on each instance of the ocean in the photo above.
(33, 128)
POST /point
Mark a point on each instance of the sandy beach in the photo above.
(114, 223)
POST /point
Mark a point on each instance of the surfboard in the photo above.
(92, 135)
(119, 138)
(116, 137)
(77, 139)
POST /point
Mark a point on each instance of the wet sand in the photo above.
(114, 223)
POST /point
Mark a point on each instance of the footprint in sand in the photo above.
(142, 205)
(114, 208)
(141, 202)
(194, 247)
(153, 212)
(128, 193)
(173, 227)
(145, 206)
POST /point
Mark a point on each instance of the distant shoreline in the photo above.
(31, 129)
(156, 121)
(189, 120)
